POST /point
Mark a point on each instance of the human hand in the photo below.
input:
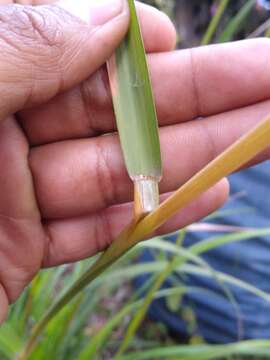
(47, 51)
(64, 189)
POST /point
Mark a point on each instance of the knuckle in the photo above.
(210, 141)
(102, 231)
(96, 99)
(34, 25)
(105, 177)
(196, 94)
(29, 29)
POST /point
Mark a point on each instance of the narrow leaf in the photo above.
(210, 32)
(235, 24)
(256, 348)
(136, 114)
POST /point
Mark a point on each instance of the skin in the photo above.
(64, 191)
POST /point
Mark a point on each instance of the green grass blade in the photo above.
(135, 110)
(236, 23)
(134, 103)
(228, 279)
(229, 212)
(210, 32)
(212, 243)
(257, 348)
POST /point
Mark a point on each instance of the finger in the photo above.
(46, 50)
(74, 239)
(214, 79)
(77, 177)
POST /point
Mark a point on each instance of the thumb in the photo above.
(48, 49)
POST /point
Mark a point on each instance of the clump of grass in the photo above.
(73, 335)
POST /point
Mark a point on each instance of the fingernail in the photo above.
(95, 12)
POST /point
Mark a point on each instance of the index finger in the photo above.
(187, 84)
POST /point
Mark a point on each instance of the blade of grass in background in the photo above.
(256, 348)
(236, 22)
(136, 115)
(211, 30)
(209, 244)
(228, 279)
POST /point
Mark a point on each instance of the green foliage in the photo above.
(210, 31)
(134, 104)
(74, 334)
(237, 22)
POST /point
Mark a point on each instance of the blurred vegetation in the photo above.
(192, 17)
(95, 324)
